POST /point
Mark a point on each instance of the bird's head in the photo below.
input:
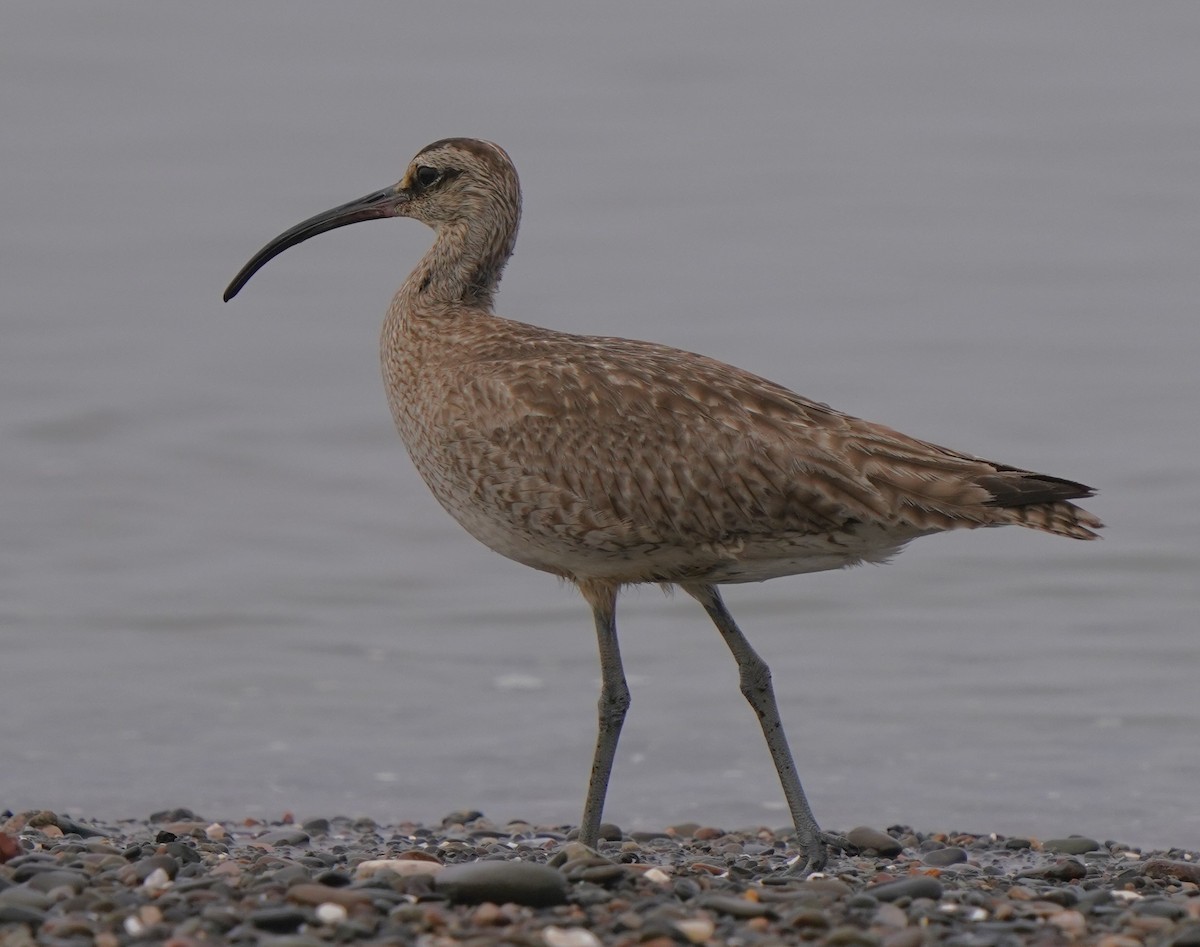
(454, 180)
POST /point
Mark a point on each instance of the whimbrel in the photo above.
(612, 462)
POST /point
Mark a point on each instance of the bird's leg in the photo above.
(614, 702)
(755, 678)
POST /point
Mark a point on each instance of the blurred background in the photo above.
(223, 586)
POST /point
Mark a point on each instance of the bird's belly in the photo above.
(551, 545)
(527, 515)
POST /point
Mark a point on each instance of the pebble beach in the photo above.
(179, 879)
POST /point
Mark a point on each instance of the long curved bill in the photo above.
(374, 206)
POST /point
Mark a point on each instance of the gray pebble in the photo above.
(277, 920)
(601, 874)
(869, 839)
(297, 940)
(60, 878)
(1068, 869)
(285, 837)
(183, 853)
(940, 857)
(288, 875)
(1188, 937)
(24, 896)
(179, 814)
(144, 867)
(921, 886)
(221, 916)
(18, 914)
(502, 882)
(461, 817)
(649, 836)
(71, 827)
(24, 867)
(1075, 845)
(1067, 896)
(686, 888)
(735, 907)
(1159, 907)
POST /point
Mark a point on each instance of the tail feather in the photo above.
(1041, 502)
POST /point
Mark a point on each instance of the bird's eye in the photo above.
(427, 176)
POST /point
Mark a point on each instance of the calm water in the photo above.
(222, 584)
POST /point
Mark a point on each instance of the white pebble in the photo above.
(330, 913)
(157, 880)
(399, 866)
(658, 876)
(966, 911)
(215, 832)
(696, 929)
(133, 926)
(569, 937)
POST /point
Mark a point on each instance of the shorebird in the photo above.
(612, 462)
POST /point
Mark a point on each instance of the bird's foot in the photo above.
(816, 853)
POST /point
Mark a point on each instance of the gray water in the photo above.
(222, 585)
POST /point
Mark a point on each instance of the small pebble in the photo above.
(284, 837)
(696, 929)
(1075, 845)
(277, 920)
(20, 914)
(25, 896)
(909, 937)
(503, 881)
(1066, 870)
(489, 914)
(941, 857)
(312, 893)
(919, 886)
(157, 880)
(330, 913)
(872, 840)
(569, 937)
(1179, 870)
(398, 866)
(735, 907)
(1071, 923)
(888, 915)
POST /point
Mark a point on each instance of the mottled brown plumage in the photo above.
(610, 461)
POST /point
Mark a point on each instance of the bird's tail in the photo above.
(1041, 502)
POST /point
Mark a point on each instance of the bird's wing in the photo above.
(660, 445)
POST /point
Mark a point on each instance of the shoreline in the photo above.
(183, 880)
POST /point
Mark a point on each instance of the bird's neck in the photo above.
(463, 266)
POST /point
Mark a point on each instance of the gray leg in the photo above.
(614, 701)
(756, 686)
